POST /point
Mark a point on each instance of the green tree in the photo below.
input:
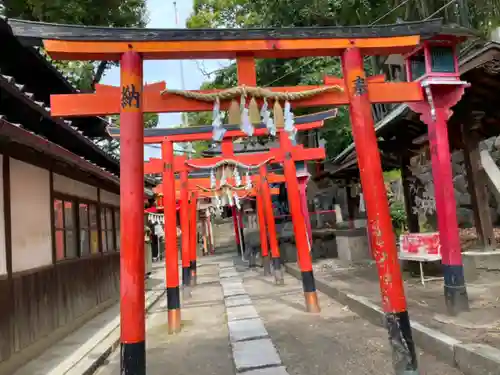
(150, 120)
(482, 15)
(114, 13)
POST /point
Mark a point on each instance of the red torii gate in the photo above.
(132, 46)
(287, 155)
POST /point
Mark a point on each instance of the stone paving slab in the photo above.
(235, 291)
(234, 301)
(255, 354)
(228, 272)
(241, 330)
(228, 282)
(268, 371)
(241, 313)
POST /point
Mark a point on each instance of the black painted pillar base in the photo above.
(404, 357)
(186, 282)
(266, 264)
(174, 310)
(133, 358)
(310, 295)
(279, 276)
(186, 275)
(193, 278)
(455, 291)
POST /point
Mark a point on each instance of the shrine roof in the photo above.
(27, 65)
(38, 31)
(75, 42)
(26, 81)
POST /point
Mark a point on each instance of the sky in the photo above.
(162, 15)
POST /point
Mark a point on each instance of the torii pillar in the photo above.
(379, 219)
(132, 297)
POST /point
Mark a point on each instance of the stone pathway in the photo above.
(239, 322)
(253, 350)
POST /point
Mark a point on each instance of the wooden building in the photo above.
(59, 210)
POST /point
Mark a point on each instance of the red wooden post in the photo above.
(236, 225)
(271, 226)
(184, 213)
(303, 179)
(132, 267)
(379, 219)
(264, 246)
(193, 236)
(171, 253)
(239, 216)
(211, 243)
(299, 227)
(455, 291)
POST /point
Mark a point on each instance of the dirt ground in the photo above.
(426, 303)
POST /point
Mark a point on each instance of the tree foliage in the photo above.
(150, 120)
(481, 15)
(114, 13)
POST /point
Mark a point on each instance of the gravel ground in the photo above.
(336, 341)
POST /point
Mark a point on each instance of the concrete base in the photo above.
(360, 223)
(475, 259)
(352, 245)
(279, 276)
(288, 252)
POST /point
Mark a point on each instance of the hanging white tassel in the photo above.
(223, 178)
(246, 125)
(248, 180)
(237, 177)
(213, 181)
(289, 121)
(265, 113)
(218, 130)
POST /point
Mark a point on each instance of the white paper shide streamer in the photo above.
(246, 125)
(265, 114)
(218, 130)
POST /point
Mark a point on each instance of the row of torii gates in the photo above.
(434, 88)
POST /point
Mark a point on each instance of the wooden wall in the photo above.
(35, 305)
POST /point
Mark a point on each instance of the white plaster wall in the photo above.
(3, 256)
(30, 213)
(68, 186)
(110, 198)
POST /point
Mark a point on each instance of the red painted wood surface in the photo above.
(132, 207)
(379, 219)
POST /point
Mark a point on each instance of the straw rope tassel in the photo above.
(234, 113)
(279, 118)
(253, 109)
